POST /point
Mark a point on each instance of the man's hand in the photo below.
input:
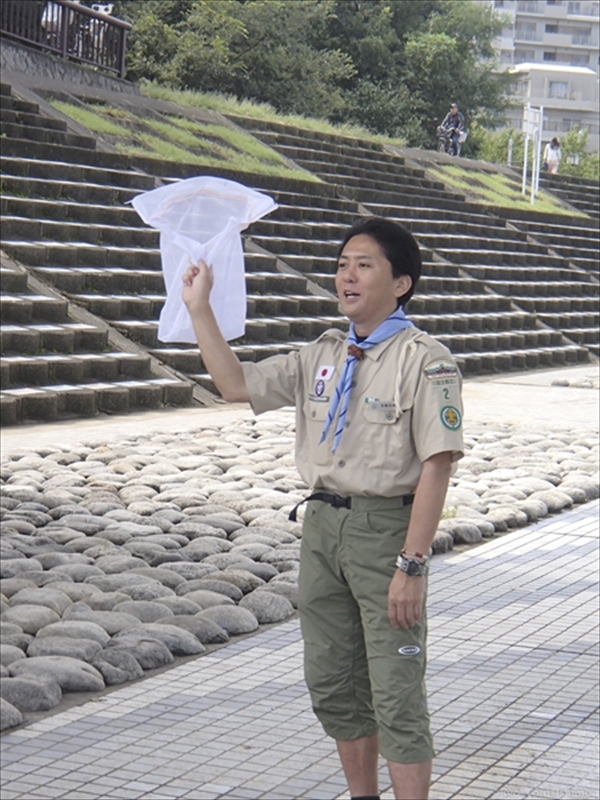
(405, 599)
(197, 284)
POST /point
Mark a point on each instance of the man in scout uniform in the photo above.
(378, 427)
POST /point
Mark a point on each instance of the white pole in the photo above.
(510, 152)
(539, 153)
(524, 187)
(526, 111)
(534, 165)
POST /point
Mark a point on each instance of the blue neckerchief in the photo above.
(389, 327)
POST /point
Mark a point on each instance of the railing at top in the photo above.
(72, 30)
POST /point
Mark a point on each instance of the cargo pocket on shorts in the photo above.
(387, 531)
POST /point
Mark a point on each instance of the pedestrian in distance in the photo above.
(552, 156)
(378, 429)
(451, 132)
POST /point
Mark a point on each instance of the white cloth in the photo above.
(203, 218)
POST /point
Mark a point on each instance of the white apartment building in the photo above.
(552, 47)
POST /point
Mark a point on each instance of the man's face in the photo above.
(453, 109)
(366, 288)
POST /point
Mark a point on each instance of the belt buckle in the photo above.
(342, 502)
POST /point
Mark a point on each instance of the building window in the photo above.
(527, 7)
(551, 29)
(582, 60)
(506, 56)
(559, 89)
(566, 125)
(574, 8)
(522, 56)
(521, 88)
(582, 36)
(526, 31)
(549, 56)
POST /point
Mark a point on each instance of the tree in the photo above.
(453, 60)
(288, 58)
(272, 51)
(413, 58)
(575, 160)
(390, 65)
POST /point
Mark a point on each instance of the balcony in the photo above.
(583, 10)
(581, 40)
(527, 36)
(530, 7)
(556, 39)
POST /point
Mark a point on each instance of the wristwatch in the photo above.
(411, 566)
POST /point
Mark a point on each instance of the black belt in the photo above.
(337, 501)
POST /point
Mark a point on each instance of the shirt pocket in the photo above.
(381, 413)
(387, 443)
(315, 414)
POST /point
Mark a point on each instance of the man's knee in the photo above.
(338, 683)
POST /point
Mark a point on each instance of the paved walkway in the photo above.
(513, 681)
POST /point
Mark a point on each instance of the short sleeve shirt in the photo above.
(405, 406)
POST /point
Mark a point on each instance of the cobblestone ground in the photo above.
(513, 682)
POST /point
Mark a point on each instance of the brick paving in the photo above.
(513, 684)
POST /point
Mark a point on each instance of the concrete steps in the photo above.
(62, 401)
(44, 134)
(57, 360)
(20, 228)
(577, 243)
(579, 192)
(64, 216)
(59, 169)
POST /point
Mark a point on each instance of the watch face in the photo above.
(412, 567)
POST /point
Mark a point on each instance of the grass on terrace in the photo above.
(227, 104)
(177, 138)
(496, 189)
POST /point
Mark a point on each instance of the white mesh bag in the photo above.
(203, 218)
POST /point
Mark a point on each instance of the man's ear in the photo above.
(402, 285)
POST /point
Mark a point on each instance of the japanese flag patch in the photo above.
(324, 373)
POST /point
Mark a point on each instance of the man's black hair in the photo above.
(398, 244)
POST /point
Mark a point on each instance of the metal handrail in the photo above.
(71, 30)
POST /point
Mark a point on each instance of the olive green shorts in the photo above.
(364, 676)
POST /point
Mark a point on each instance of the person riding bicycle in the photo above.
(453, 125)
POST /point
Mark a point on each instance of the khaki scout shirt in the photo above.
(405, 407)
